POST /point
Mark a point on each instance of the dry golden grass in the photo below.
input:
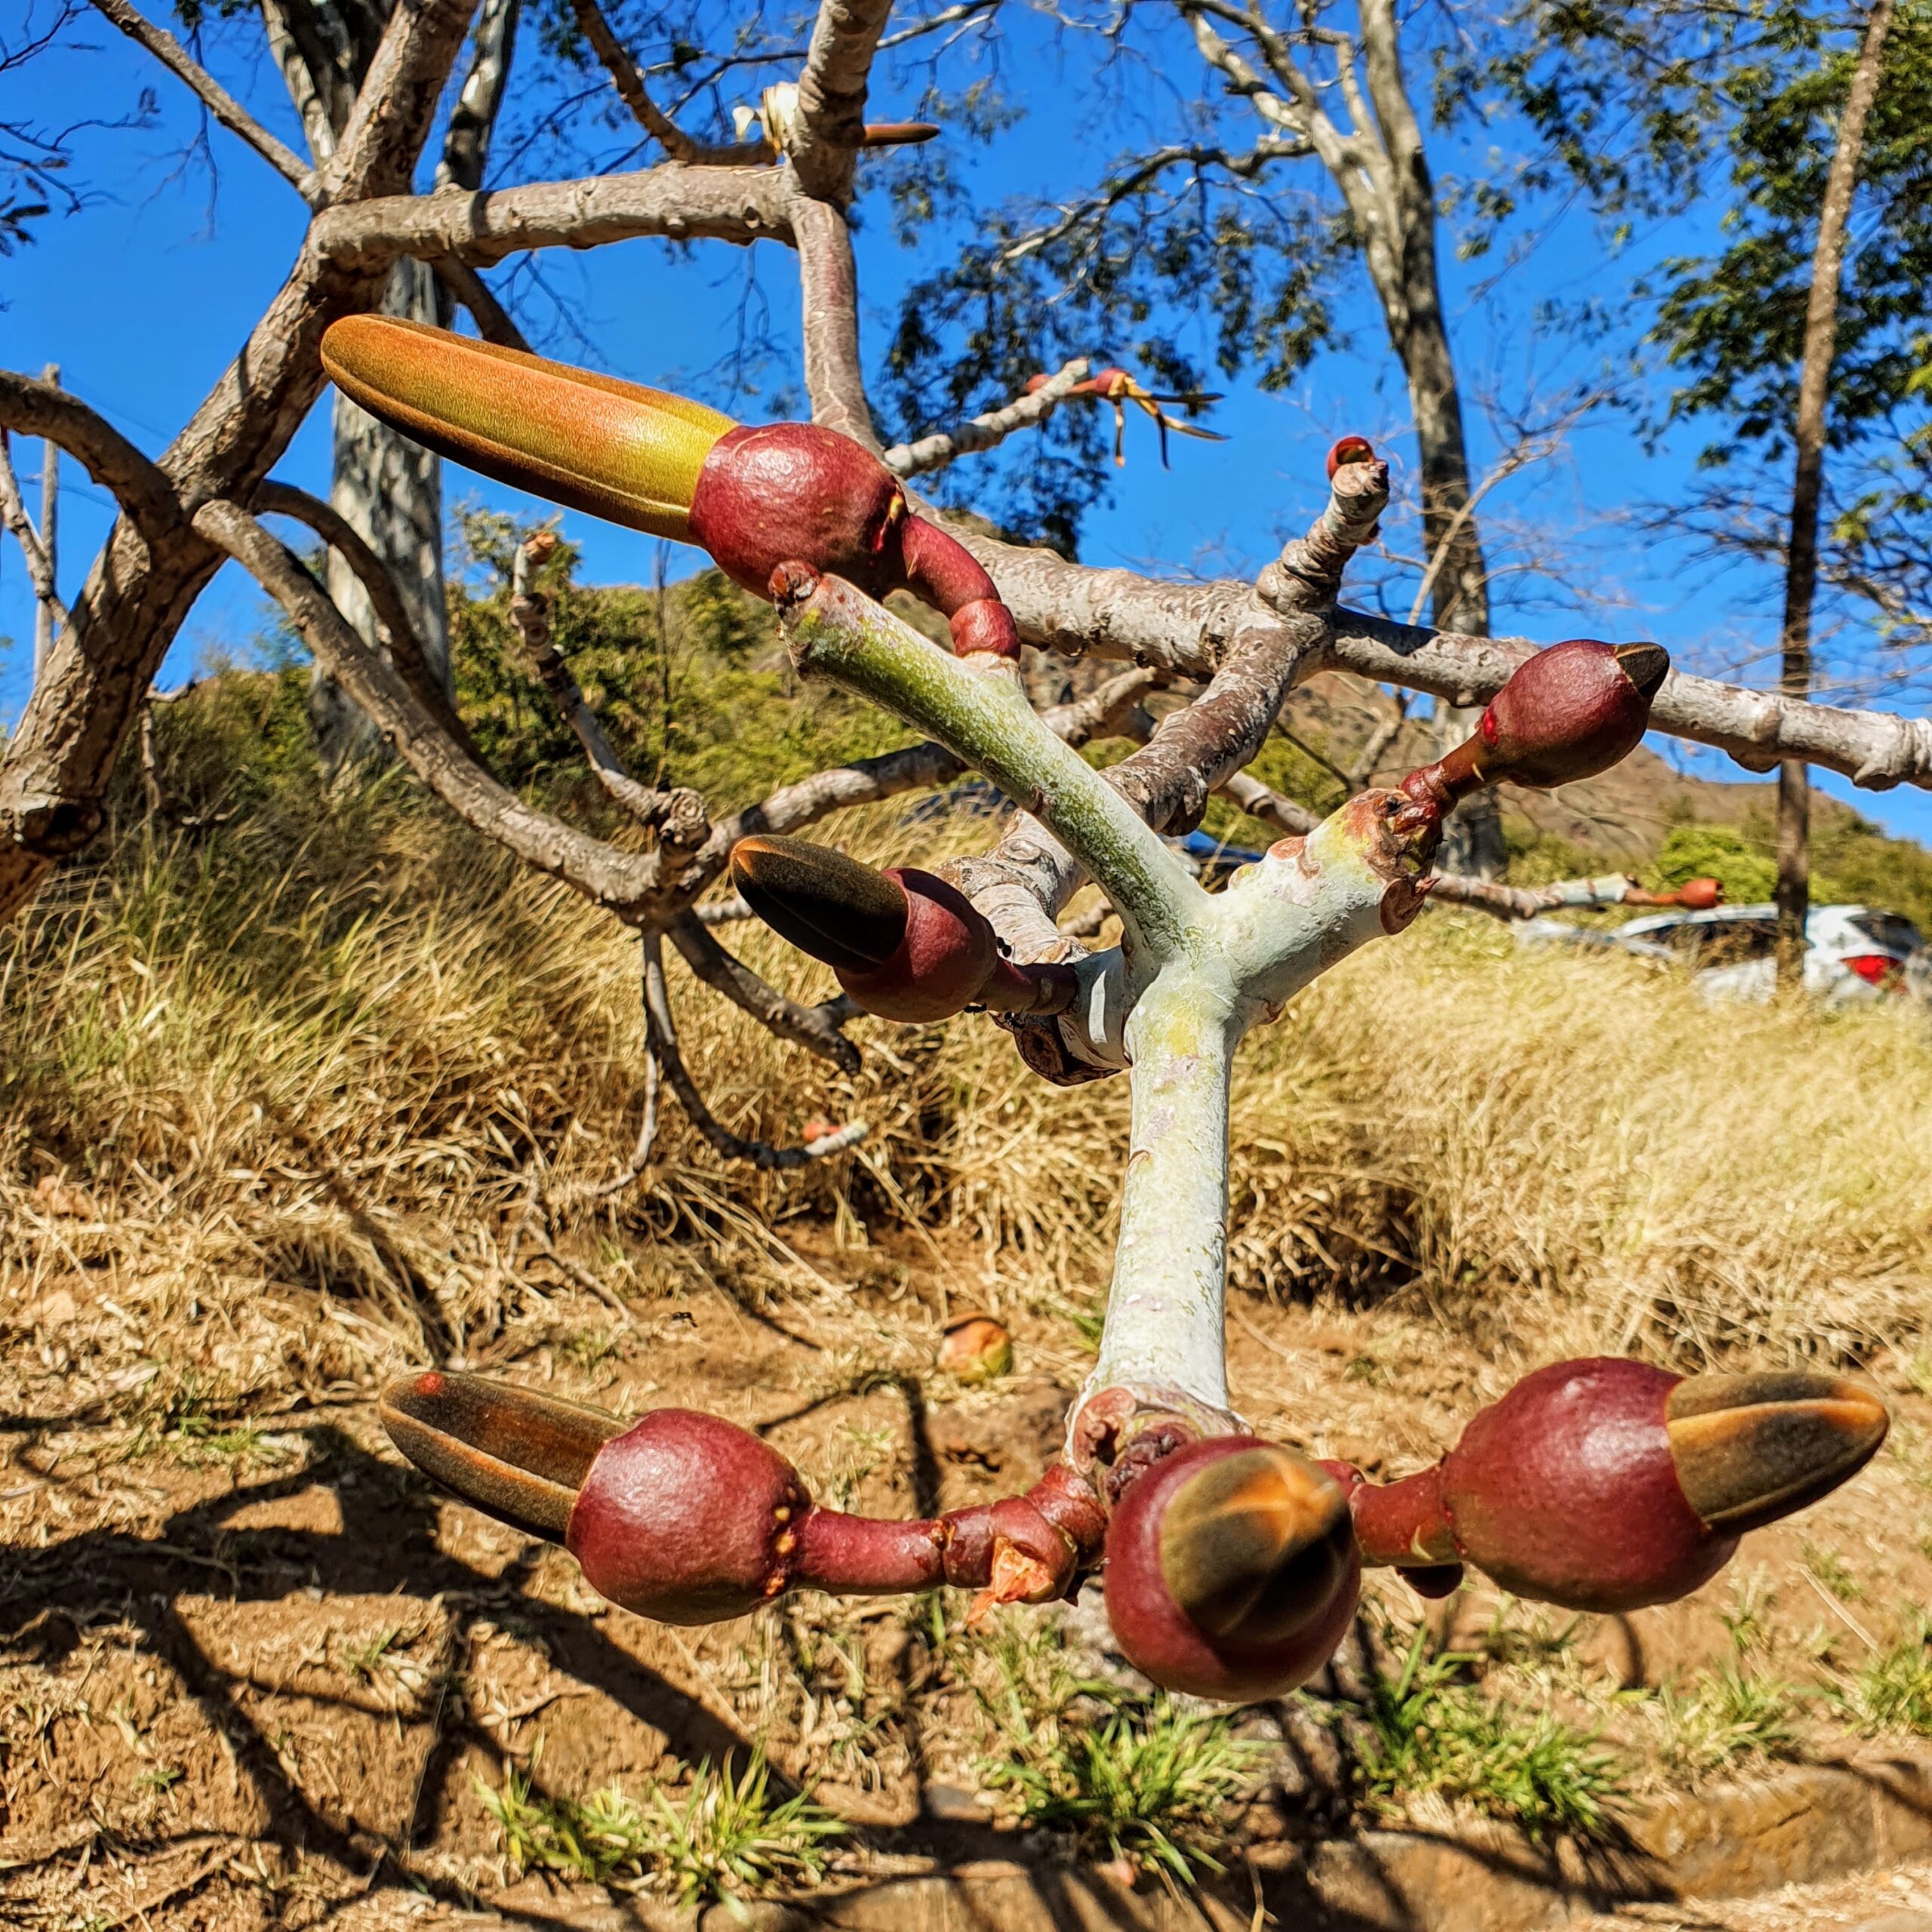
(341, 1077)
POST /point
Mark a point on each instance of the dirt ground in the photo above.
(253, 1671)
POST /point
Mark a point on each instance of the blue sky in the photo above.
(144, 297)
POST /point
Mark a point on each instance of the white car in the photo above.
(1854, 955)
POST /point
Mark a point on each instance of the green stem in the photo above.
(975, 706)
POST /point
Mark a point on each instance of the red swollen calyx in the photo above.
(1231, 1569)
(1606, 1484)
(1566, 714)
(792, 491)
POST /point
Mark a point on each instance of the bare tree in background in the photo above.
(1239, 646)
(388, 489)
(1794, 840)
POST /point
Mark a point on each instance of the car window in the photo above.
(1889, 930)
(1684, 938)
(1737, 941)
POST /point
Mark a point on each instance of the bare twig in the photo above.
(530, 613)
(215, 98)
(816, 1029)
(13, 513)
(828, 286)
(655, 122)
(624, 883)
(396, 630)
(494, 323)
(986, 432)
(663, 1034)
(1258, 801)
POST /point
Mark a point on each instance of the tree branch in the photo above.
(655, 122)
(816, 1029)
(32, 408)
(830, 125)
(987, 431)
(1757, 728)
(740, 205)
(494, 323)
(1521, 902)
(828, 288)
(215, 98)
(405, 648)
(663, 1030)
(623, 883)
(1260, 801)
(1183, 628)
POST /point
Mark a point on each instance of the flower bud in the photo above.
(1606, 1485)
(1566, 714)
(905, 945)
(754, 497)
(1231, 1569)
(1570, 712)
(688, 1519)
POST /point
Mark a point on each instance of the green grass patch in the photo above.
(1733, 1717)
(1126, 1774)
(726, 1838)
(1894, 1692)
(1426, 1729)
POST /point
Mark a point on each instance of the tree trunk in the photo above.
(1403, 269)
(391, 490)
(1801, 583)
(388, 487)
(49, 539)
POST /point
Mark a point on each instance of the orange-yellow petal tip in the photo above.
(616, 449)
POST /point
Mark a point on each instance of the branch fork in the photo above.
(1232, 1564)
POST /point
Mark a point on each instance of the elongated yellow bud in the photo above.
(615, 449)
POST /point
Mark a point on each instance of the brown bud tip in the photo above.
(1751, 1448)
(1349, 449)
(898, 133)
(1645, 664)
(844, 913)
(976, 1348)
(1231, 1569)
(518, 1456)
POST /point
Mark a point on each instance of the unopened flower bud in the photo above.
(1231, 1569)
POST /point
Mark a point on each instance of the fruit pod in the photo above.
(1606, 1484)
(1231, 1569)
